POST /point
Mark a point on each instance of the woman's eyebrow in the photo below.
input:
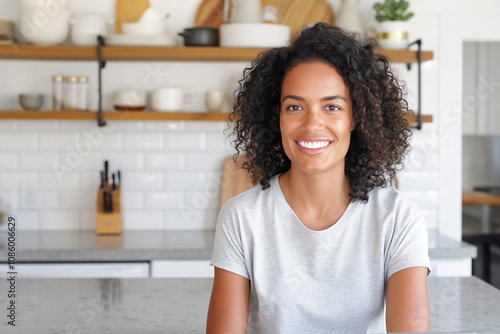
(327, 98)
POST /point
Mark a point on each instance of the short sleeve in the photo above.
(228, 249)
(409, 245)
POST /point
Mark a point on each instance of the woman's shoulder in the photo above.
(251, 199)
(391, 199)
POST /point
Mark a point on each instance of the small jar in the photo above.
(82, 99)
(57, 92)
(70, 92)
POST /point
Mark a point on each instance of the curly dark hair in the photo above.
(380, 139)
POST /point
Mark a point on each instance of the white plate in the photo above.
(139, 40)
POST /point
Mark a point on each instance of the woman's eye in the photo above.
(333, 107)
(293, 107)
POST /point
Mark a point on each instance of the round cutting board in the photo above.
(294, 13)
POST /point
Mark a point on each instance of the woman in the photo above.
(324, 244)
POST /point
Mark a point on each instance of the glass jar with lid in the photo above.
(57, 92)
(70, 92)
(82, 98)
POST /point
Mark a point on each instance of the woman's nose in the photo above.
(314, 120)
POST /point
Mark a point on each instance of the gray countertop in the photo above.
(163, 245)
(180, 305)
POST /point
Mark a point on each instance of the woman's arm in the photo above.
(407, 308)
(228, 310)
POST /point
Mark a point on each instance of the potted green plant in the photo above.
(393, 17)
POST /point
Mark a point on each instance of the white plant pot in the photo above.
(393, 34)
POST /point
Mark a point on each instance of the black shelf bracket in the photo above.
(418, 42)
(101, 65)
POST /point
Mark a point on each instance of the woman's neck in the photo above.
(316, 196)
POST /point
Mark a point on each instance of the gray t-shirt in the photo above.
(329, 281)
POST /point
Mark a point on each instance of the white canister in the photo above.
(70, 93)
(85, 29)
(170, 99)
(82, 95)
(44, 22)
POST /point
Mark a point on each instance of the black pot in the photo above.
(200, 36)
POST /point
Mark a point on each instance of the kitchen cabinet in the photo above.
(481, 98)
(181, 269)
(83, 270)
(118, 53)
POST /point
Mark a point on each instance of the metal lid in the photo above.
(70, 79)
(83, 79)
(57, 78)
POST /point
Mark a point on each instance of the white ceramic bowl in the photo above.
(38, 27)
(254, 35)
(143, 28)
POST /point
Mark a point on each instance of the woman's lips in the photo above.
(313, 146)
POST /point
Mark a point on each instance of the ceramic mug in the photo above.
(214, 100)
(170, 99)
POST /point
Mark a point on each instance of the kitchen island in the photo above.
(180, 305)
(80, 246)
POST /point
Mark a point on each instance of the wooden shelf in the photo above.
(134, 116)
(127, 53)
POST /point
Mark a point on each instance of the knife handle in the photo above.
(114, 184)
(106, 170)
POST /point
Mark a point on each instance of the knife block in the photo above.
(109, 223)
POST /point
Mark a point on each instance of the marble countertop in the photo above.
(465, 304)
(164, 245)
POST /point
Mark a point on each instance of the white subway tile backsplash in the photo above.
(59, 220)
(205, 126)
(108, 141)
(143, 141)
(77, 125)
(37, 125)
(14, 180)
(26, 220)
(217, 141)
(14, 141)
(142, 221)
(142, 181)
(58, 141)
(131, 200)
(8, 161)
(163, 161)
(124, 125)
(426, 200)
(190, 220)
(175, 181)
(90, 162)
(47, 200)
(204, 161)
(9, 200)
(37, 160)
(164, 125)
(205, 199)
(8, 125)
(88, 220)
(163, 200)
(184, 141)
(129, 161)
(90, 180)
(413, 181)
(78, 200)
(59, 180)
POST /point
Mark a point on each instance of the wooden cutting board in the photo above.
(294, 13)
(128, 11)
(234, 180)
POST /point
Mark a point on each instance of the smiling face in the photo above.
(315, 117)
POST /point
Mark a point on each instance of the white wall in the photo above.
(167, 164)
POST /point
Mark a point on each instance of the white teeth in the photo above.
(314, 144)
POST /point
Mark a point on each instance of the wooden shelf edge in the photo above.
(134, 116)
(130, 53)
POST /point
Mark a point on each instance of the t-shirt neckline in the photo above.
(288, 211)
